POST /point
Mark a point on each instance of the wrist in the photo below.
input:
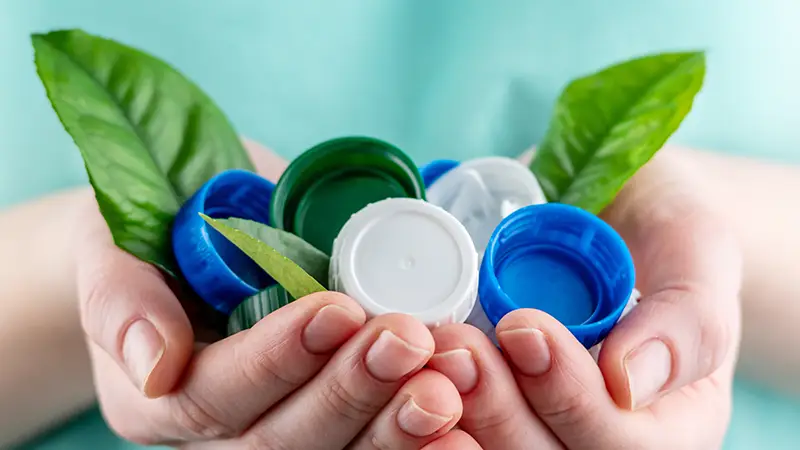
(41, 234)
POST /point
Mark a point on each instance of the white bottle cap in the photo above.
(408, 256)
(481, 192)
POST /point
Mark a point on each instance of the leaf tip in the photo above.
(52, 37)
(209, 220)
(37, 40)
(697, 54)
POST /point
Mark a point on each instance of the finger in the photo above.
(352, 388)
(455, 440)
(124, 408)
(702, 413)
(425, 408)
(685, 324)
(128, 310)
(495, 412)
(560, 380)
(267, 162)
(672, 339)
(527, 156)
(230, 383)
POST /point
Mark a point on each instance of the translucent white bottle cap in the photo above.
(481, 192)
(408, 256)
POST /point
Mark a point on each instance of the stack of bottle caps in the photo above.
(449, 242)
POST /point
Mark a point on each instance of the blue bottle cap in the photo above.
(433, 170)
(221, 274)
(561, 260)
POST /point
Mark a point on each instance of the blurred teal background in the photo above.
(438, 78)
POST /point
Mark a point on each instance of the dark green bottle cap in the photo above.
(255, 308)
(324, 186)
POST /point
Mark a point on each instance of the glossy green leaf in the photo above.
(148, 136)
(607, 125)
(294, 279)
(313, 261)
(255, 308)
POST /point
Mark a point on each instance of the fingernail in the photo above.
(648, 369)
(142, 348)
(391, 358)
(528, 350)
(330, 328)
(418, 422)
(459, 366)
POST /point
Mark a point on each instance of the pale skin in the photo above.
(690, 237)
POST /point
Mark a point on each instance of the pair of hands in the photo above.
(316, 375)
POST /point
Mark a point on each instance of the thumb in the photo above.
(560, 380)
(128, 310)
(686, 325)
(675, 337)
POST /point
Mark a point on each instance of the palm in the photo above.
(663, 377)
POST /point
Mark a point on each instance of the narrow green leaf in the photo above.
(255, 308)
(288, 274)
(607, 125)
(309, 258)
(148, 136)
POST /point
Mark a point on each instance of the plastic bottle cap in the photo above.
(324, 186)
(562, 260)
(633, 301)
(435, 169)
(221, 274)
(408, 256)
(255, 308)
(481, 192)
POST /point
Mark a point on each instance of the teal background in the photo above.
(437, 78)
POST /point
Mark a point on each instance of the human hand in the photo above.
(665, 372)
(312, 375)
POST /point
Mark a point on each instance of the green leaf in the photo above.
(288, 274)
(306, 256)
(148, 136)
(255, 308)
(309, 258)
(607, 125)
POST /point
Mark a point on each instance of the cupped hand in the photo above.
(312, 375)
(664, 375)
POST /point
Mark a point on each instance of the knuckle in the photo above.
(714, 343)
(340, 400)
(576, 411)
(567, 411)
(105, 291)
(496, 419)
(104, 285)
(199, 420)
(95, 293)
(94, 305)
(380, 442)
(265, 367)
